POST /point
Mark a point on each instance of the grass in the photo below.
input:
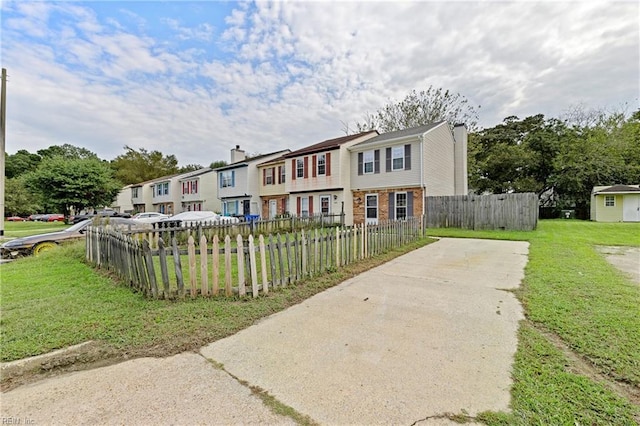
(24, 229)
(571, 291)
(56, 300)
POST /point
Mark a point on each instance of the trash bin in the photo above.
(568, 214)
(251, 217)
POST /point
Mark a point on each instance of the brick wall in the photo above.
(280, 202)
(383, 202)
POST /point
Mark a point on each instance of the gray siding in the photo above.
(439, 162)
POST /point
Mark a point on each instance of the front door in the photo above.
(371, 209)
(246, 207)
(631, 208)
(273, 209)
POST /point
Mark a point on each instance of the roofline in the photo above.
(366, 146)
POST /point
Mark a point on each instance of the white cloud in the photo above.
(287, 74)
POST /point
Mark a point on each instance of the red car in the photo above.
(15, 219)
(55, 218)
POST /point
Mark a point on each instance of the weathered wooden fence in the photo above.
(239, 266)
(501, 211)
(167, 231)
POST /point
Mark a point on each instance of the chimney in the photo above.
(460, 159)
(237, 154)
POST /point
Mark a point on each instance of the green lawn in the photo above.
(570, 290)
(56, 300)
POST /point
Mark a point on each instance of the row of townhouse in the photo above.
(367, 176)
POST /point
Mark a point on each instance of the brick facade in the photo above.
(280, 203)
(383, 202)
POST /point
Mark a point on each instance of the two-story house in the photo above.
(273, 196)
(392, 173)
(239, 183)
(318, 178)
(198, 190)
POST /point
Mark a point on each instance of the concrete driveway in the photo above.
(430, 333)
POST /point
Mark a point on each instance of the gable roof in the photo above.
(619, 189)
(246, 161)
(401, 134)
(327, 144)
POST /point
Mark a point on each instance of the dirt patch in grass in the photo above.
(626, 259)
(580, 365)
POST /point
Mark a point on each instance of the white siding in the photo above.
(384, 179)
(439, 162)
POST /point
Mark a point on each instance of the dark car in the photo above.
(36, 244)
(99, 213)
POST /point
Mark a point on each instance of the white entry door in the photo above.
(631, 208)
(371, 209)
(273, 209)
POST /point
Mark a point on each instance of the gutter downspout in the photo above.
(422, 184)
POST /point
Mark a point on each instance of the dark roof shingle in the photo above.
(414, 131)
(326, 145)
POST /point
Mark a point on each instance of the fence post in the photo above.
(240, 256)
(253, 267)
(263, 265)
(178, 266)
(204, 267)
(228, 289)
(150, 269)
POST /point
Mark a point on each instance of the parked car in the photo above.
(99, 213)
(55, 218)
(36, 217)
(36, 244)
(185, 219)
(150, 217)
(15, 219)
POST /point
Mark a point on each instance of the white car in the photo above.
(204, 217)
(150, 217)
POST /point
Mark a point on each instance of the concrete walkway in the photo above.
(429, 333)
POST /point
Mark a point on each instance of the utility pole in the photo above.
(3, 125)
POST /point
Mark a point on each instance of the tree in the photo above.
(20, 163)
(142, 165)
(66, 151)
(218, 163)
(19, 201)
(190, 168)
(77, 182)
(420, 108)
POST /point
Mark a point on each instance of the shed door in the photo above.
(631, 208)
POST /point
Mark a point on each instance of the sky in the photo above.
(195, 79)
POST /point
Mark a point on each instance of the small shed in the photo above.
(616, 203)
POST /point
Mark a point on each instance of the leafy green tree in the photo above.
(420, 108)
(141, 165)
(76, 182)
(66, 151)
(20, 163)
(19, 200)
(190, 168)
(218, 163)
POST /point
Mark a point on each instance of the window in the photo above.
(322, 165)
(161, 189)
(304, 206)
(230, 208)
(135, 192)
(324, 204)
(401, 205)
(227, 179)
(282, 174)
(397, 158)
(371, 214)
(609, 201)
(190, 187)
(268, 176)
(368, 162)
(300, 168)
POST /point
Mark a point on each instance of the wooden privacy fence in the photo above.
(240, 266)
(501, 211)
